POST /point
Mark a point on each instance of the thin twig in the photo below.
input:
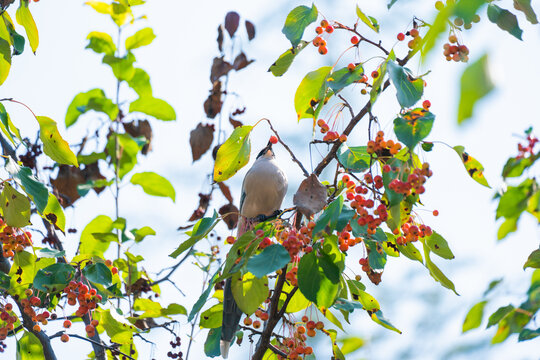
(306, 174)
(103, 346)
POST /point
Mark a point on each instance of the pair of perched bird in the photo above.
(263, 190)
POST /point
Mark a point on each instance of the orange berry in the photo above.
(355, 40)
(64, 338)
(319, 325)
(426, 104)
(414, 33)
(256, 324)
(28, 292)
(351, 67)
(435, 212)
(108, 263)
(324, 23)
(305, 319)
(301, 330)
(311, 333)
(343, 138)
(248, 321)
(67, 324)
(90, 328)
(264, 316)
(36, 328)
(323, 50)
(329, 29)
(375, 74)
(319, 30)
(94, 323)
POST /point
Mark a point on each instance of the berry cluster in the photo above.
(295, 241)
(109, 264)
(415, 181)
(527, 148)
(367, 214)
(9, 318)
(295, 345)
(319, 42)
(330, 135)
(416, 38)
(382, 148)
(260, 315)
(412, 232)
(86, 297)
(13, 239)
(174, 344)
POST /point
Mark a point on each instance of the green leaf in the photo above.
(330, 316)
(355, 159)
(311, 92)
(98, 273)
(507, 227)
(29, 347)
(411, 252)
(525, 7)
(437, 274)
(534, 260)
(24, 18)
(201, 229)
(100, 7)
(5, 51)
(122, 67)
(249, 291)
(327, 293)
(154, 184)
(391, 3)
(351, 344)
(368, 302)
(514, 167)
(101, 43)
(50, 253)
(309, 278)
(30, 184)
(5, 281)
(15, 207)
(233, 154)
(297, 303)
(94, 99)
(127, 150)
(211, 345)
(54, 213)
(143, 232)
(212, 318)
(473, 166)
(379, 319)
(154, 107)
(376, 256)
(272, 258)
(344, 77)
(439, 246)
(54, 146)
(368, 20)
(119, 330)
(377, 84)
(528, 334)
(409, 90)
(505, 20)
(6, 125)
(91, 245)
(140, 82)
(282, 64)
(54, 278)
(329, 217)
(492, 285)
(413, 126)
(474, 317)
(142, 37)
(297, 21)
(475, 84)
(499, 315)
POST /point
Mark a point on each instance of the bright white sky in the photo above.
(179, 62)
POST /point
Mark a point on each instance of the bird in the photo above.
(263, 190)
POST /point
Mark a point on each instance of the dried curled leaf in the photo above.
(250, 29)
(220, 38)
(212, 105)
(310, 197)
(230, 214)
(235, 123)
(232, 20)
(220, 68)
(201, 139)
(204, 200)
(241, 61)
(225, 191)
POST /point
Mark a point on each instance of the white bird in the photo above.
(263, 190)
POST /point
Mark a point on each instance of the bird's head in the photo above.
(266, 152)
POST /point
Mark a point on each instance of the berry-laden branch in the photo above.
(94, 344)
(28, 324)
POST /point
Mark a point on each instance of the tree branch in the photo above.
(94, 344)
(45, 341)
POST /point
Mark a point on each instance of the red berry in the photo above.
(435, 212)
(375, 74)
(351, 67)
(355, 40)
(319, 30)
(67, 324)
(401, 36)
(64, 338)
(324, 23)
(386, 168)
(323, 50)
(329, 29)
(426, 104)
(273, 139)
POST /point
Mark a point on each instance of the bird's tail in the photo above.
(224, 347)
(231, 319)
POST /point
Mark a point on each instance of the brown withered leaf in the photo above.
(201, 139)
(310, 198)
(204, 200)
(232, 20)
(141, 128)
(219, 68)
(146, 323)
(235, 123)
(229, 213)
(220, 38)
(374, 277)
(212, 105)
(66, 183)
(241, 61)
(250, 29)
(6, 3)
(225, 191)
(91, 173)
(239, 111)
